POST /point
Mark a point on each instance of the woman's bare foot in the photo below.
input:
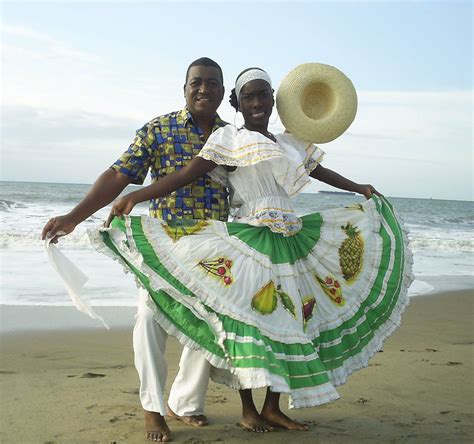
(276, 418)
(254, 422)
(156, 428)
(192, 420)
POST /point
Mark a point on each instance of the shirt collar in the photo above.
(187, 117)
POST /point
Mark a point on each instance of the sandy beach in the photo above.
(80, 386)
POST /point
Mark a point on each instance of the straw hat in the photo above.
(316, 102)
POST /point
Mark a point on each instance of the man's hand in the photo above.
(60, 224)
(367, 190)
(122, 206)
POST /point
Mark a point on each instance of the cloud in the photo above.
(39, 129)
(63, 103)
(42, 72)
(46, 47)
(22, 31)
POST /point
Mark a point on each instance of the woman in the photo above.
(292, 304)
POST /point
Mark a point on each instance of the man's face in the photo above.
(203, 90)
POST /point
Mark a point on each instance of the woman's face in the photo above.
(256, 104)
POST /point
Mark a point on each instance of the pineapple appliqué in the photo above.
(351, 252)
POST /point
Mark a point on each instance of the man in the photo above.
(163, 145)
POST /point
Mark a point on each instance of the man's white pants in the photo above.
(188, 392)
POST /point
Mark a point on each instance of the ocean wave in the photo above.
(442, 245)
(467, 219)
(418, 241)
(9, 205)
(33, 239)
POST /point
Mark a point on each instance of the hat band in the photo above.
(248, 76)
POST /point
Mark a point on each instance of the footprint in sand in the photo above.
(431, 350)
(131, 391)
(449, 363)
(92, 375)
(218, 398)
(114, 367)
(200, 441)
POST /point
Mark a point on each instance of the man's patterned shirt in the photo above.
(164, 145)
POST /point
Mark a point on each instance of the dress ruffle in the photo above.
(297, 314)
(290, 160)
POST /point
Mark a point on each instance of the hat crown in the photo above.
(316, 102)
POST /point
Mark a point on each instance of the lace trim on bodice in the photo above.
(279, 220)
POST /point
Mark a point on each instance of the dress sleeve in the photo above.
(314, 156)
(136, 161)
(301, 159)
(311, 155)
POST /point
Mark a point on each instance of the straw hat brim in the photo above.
(316, 102)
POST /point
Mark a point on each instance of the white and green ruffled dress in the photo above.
(293, 303)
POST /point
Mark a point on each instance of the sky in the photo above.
(79, 78)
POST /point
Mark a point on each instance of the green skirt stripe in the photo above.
(309, 363)
(147, 251)
(176, 313)
(244, 355)
(278, 248)
(353, 343)
(297, 374)
(360, 336)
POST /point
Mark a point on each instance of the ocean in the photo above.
(441, 237)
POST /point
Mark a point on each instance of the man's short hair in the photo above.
(205, 61)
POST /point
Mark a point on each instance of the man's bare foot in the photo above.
(276, 418)
(255, 423)
(192, 420)
(156, 428)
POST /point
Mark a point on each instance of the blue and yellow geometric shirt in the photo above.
(164, 145)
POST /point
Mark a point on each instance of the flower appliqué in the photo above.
(333, 289)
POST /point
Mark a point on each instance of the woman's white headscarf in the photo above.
(247, 76)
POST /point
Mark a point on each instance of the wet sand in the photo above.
(81, 387)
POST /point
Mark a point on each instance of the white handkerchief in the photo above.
(73, 278)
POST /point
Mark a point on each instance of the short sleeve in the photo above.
(135, 162)
(309, 154)
(314, 156)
